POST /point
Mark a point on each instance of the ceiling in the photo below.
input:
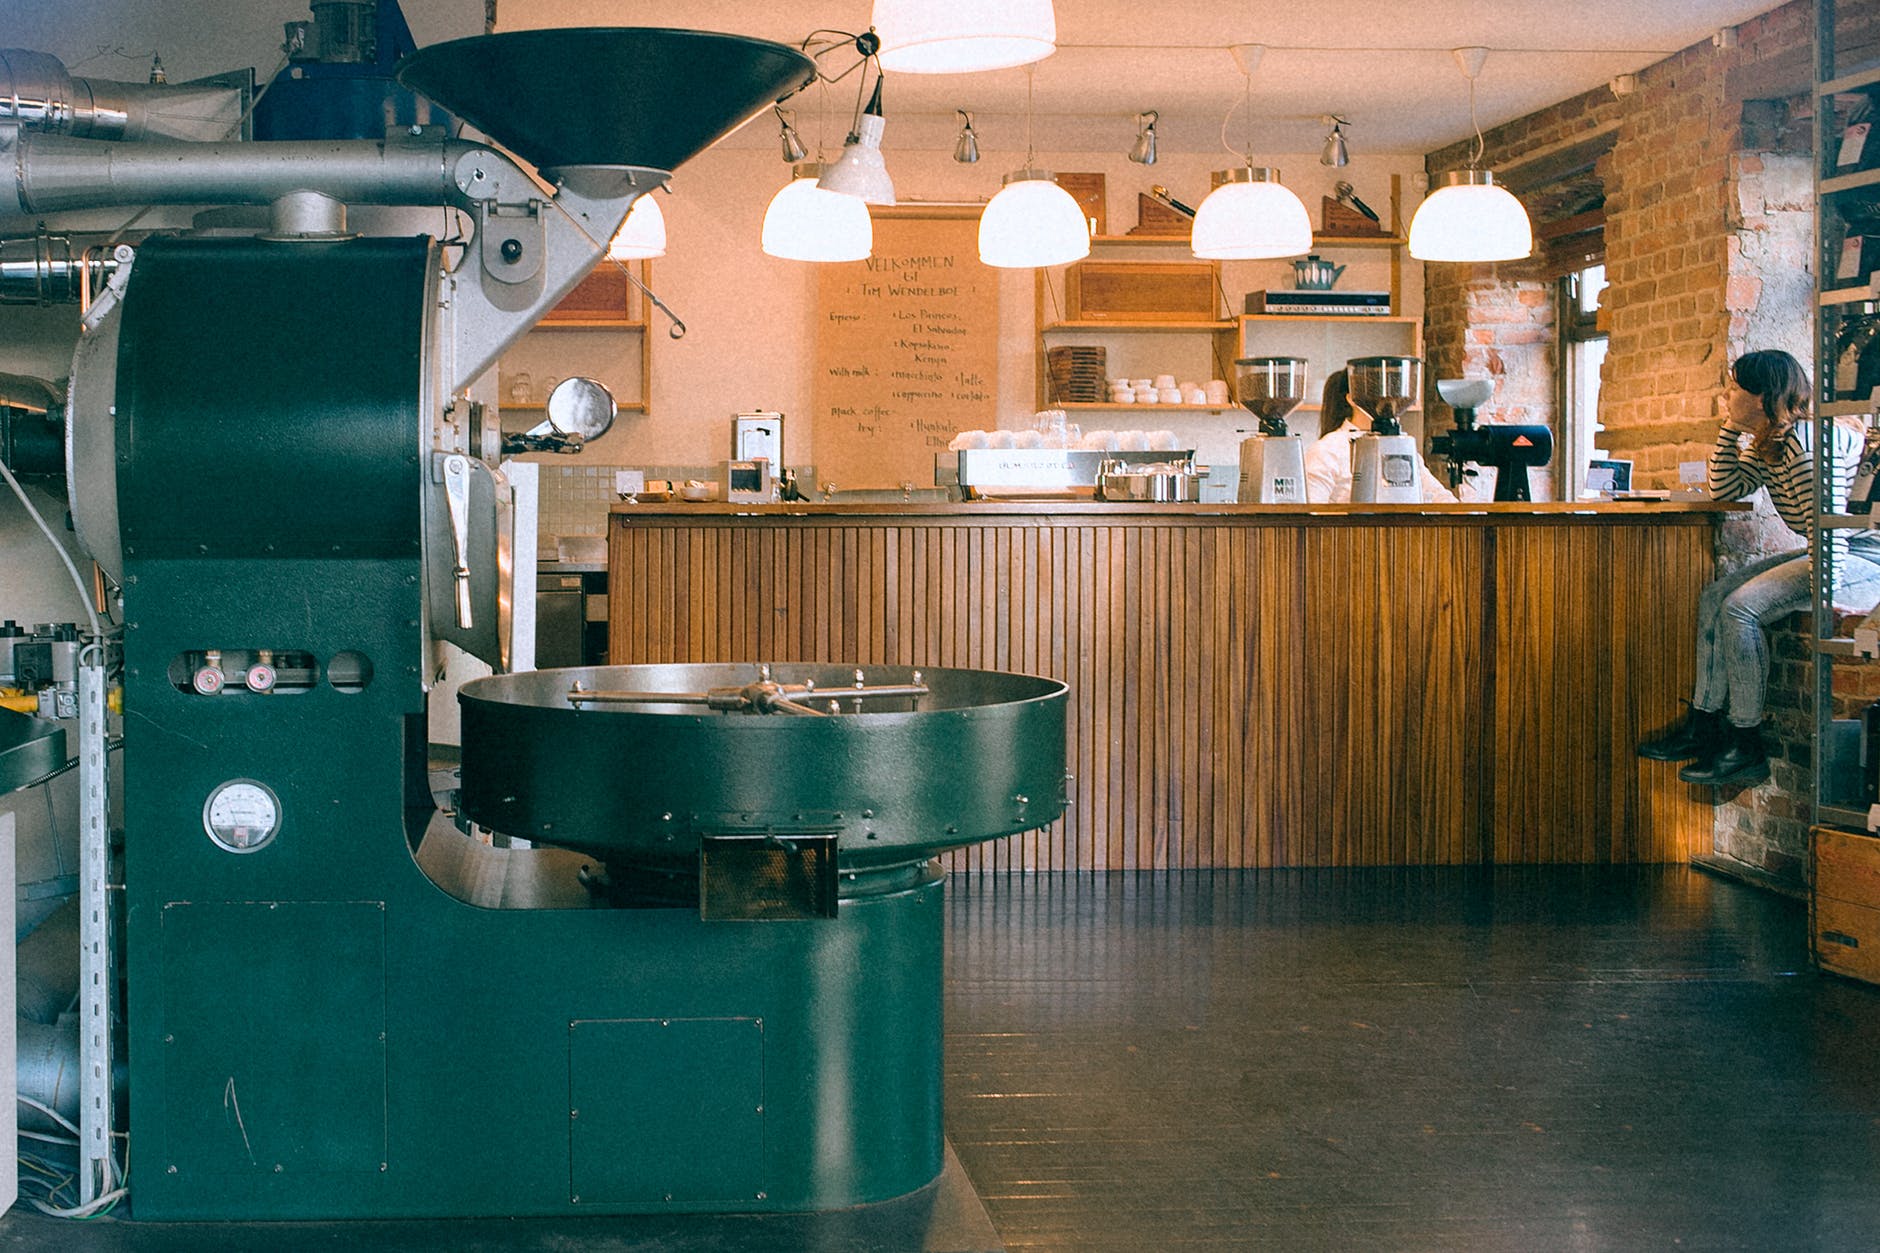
(1385, 65)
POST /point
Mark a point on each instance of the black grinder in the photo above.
(1510, 449)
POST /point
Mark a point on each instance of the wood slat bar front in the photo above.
(1249, 688)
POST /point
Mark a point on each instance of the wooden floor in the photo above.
(1532, 1059)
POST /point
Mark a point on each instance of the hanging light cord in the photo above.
(1475, 160)
(1228, 117)
(1031, 83)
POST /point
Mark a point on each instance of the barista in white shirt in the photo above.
(1328, 460)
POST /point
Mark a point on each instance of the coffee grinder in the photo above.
(1384, 466)
(1510, 449)
(1272, 462)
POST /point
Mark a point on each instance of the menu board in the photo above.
(907, 349)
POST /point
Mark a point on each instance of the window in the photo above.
(1582, 354)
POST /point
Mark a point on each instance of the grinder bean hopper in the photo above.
(1384, 460)
(1272, 462)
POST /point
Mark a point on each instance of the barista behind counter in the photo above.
(1328, 460)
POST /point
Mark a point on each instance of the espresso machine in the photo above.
(1509, 449)
(1384, 466)
(1272, 462)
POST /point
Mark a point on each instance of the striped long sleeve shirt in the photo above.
(1789, 475)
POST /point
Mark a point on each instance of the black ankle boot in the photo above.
(1739, 763)
(1697, 735)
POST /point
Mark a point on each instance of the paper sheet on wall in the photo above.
(907, 352)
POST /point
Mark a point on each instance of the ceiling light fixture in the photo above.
(966, 149)
(806, 223)
(1250, 214)
(860, 171)
(963, 36)
(1469, 217)
(1334, 153)
(1032, 221)
(643, 234)
(1144, 151)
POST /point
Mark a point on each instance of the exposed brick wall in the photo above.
(1708, 254)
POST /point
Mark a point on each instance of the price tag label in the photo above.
(1853, 142)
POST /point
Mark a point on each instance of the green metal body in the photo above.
(316, 1028)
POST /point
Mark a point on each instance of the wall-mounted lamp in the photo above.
(1469, 218)
(1143, 153)
(1623, 84)
(966, 148)
(1334, 152)
(793, 149)
(1251, 214)
(962, 36)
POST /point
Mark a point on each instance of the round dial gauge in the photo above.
(242, 815)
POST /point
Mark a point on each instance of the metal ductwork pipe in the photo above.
(47, 1058)
(48, 966)
(40, 269)
(57, 173)
(37, 91)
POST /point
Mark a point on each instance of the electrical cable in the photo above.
(49, 1112)
(84, 592)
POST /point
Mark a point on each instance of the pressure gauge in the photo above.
(242, 815)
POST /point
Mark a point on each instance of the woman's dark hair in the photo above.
(1778, 380)
(1334, 402)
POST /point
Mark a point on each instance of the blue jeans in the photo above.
(1732, 648)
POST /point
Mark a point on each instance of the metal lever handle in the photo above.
(457, 497)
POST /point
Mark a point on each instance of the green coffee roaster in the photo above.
(678, 948)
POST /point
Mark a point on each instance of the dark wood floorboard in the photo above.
(1552, 1059)
(1450, 1059)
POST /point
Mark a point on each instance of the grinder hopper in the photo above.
(1272, 463)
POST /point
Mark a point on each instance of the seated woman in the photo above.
(1764, 441)
(1328, 460)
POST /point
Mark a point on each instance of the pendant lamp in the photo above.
(1032, 221)
(1251, 215)
(963, 36)
(643, 234)
(860, 171)
(806, 223)
(1469, 217)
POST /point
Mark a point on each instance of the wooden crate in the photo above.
(1844, 907)
(1142, 291)
(1088, 191)
(1155, 218)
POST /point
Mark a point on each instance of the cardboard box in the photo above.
(1844, 905)
(1142, 291)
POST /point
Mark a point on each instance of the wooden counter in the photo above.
(1316, 685)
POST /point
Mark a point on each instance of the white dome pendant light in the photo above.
(1032, 221)
(1251, 215)
(963, 36)
(1469, 217)
(643, 234)
(806, 223)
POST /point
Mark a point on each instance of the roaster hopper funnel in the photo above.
(1271, 388)
(633, 96)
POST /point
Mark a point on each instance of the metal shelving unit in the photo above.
(1835, 193)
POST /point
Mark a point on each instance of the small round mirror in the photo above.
(581, 406)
